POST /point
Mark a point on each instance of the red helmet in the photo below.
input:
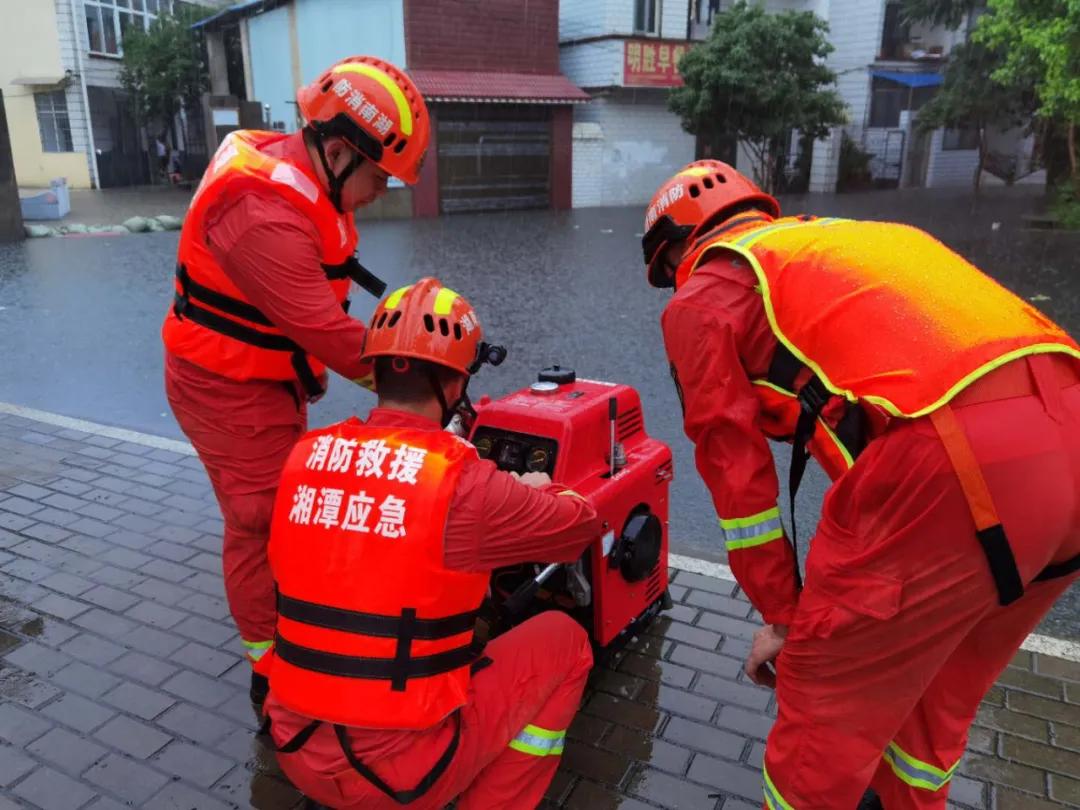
(700, 192)
(376, 108)
(426, 321)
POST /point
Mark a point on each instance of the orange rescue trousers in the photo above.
(244, 449)
(512, 732)
(899, 632)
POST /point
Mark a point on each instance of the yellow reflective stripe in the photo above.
(539, 742)
(696, 171)
(981, 371)
(773, 797)
(753, 520)
(444, 300)
(751, 542)
(257, 649)
(372, 72)
(916, 772)
(396, 296)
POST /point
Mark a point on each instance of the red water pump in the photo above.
(591, 437)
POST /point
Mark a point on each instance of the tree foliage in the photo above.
(755, 79)
(968, 98)
(1040, 44)
(164, 67)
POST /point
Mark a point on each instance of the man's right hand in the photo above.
(537, 480)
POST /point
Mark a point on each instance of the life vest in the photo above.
(373, 630)
(878, 319)
(211, 323)
(874, 314)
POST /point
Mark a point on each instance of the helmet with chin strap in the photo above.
(376, 109)
(698, 195)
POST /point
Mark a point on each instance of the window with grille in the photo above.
(108, 20)
(53, 121)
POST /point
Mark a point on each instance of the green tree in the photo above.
(967, 99)
(1040, 43)
(755, 79)
(164, 68)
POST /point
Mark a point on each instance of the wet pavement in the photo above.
(80, 317)
(121, 683)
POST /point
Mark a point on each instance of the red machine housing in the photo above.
(564, 426)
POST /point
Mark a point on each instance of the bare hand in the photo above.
(768, 641)
(537, 480)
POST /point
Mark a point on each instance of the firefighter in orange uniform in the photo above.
(263, 274)
(384, 535)
(947, 412)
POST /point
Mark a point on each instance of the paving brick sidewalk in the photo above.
(121, 685)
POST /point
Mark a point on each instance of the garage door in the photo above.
(494, 157)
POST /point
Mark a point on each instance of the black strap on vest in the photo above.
(406, 628)
(342, 734)
(373, 624)
(184, 306)
(1058, 570)
(423, 786)
(364, 278)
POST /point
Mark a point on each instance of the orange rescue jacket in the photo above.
(211, 323)
(373, 630)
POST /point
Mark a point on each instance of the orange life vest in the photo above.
(874, 320)
(373, 630)
(211, 323)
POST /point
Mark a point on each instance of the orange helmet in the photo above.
(693, 197)
(427, 321)
(376, 108)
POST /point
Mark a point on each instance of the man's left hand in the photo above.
(768, 641)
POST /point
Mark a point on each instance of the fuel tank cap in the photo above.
(544, 388)
(558, 375)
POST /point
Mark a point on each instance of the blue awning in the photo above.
(909, 79)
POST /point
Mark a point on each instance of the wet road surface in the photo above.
(80, 318)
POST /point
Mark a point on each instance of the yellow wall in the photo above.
(30, 49)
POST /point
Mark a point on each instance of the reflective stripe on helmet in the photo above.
(444, 301)
(402, 103)
(396, 296)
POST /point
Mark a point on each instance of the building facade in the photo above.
(626, 142)
(501, 119)
(60, 74)
(623, 53)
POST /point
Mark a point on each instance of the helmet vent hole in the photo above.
(389, 139)
(429, 323)
(399, 147)
(721, 179)
(695, 191)
(444, 327)
(707, 182)
(457, 331)
(394, 318)
(326, 86)
(382, 319)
